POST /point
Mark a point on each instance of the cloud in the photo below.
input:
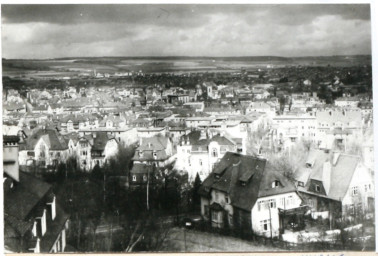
(193, 30)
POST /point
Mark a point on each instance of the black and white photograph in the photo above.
(188, 127)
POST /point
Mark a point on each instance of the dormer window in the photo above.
(275, 183)
(154, 154)
(53, 208)
(243, 183)
(300, 183)
(34, 230)
(217, 176)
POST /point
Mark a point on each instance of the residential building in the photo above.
(44, 148)
(155, 151)
(246, 194)
(335, 185)
(34, 222)
(199, 151)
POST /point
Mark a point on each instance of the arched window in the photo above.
(134, 178)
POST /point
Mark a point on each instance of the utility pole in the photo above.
(148, 184)
(270, 223)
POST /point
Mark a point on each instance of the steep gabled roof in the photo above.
(24, 196)
(341, 175)
(53, 139)
(238, 175)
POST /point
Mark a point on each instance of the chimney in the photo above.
(10, 157)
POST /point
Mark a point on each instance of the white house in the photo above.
(44, 147)
(335, 185)
(199, 151)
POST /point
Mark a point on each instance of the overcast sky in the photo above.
(48, 31)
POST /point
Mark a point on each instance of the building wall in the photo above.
(264, 214)
(363, 183)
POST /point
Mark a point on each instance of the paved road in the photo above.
(195, 241)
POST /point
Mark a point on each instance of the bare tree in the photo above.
(255, 140)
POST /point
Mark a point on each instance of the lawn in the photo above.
(184, 240)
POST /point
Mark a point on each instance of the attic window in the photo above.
(317, 188)
(275, 183)
(300, 183)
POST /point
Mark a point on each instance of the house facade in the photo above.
(199, 151)
(245, 193)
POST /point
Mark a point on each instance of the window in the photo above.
(216, 196)
(52, 208)
(34, 230)
(200, 162)
(30, 153)
(354, 191)
(227, 199)
(214, 216)
(290, 200)
(317, 188)
(275, 183)
(43, 222)
(261, 206)
(272, 203)
(265, 225)
(134, 178)
(214, 152)
(300, 183)
(230, 220)
(282, 202)
(144, 177)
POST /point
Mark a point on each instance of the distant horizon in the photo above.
(188, 57)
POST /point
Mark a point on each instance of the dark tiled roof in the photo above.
(233, 170)
(24, 196)
(7, 139)
(100, 141)
(52, 137)
(245, 179)
(141, 168)
(54, 227)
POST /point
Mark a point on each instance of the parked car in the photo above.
(191, 221)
